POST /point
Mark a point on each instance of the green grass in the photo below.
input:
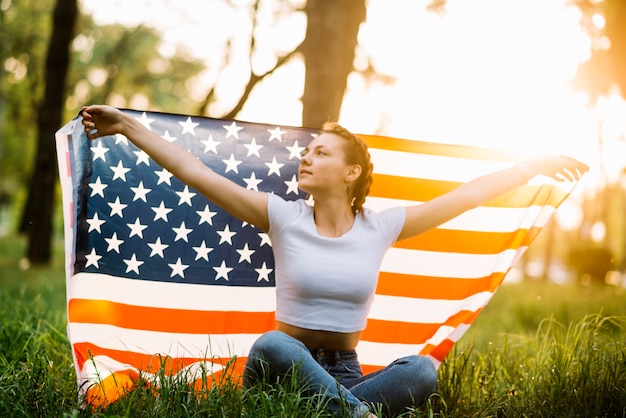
(537, 350)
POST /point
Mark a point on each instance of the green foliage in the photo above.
(24, 33)
(37, 376)
(110, 64)
(536, 350)
(559, 371)
(123, 66)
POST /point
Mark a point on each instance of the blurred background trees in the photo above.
(127, 66)
(602, 74)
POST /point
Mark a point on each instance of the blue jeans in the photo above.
(406, 382)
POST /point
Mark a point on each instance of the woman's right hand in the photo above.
(100, 120)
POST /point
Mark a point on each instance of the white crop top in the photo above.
(327, 283)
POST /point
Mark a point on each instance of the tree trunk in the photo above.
(37, 215)
(328, 49)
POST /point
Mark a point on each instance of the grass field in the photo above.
(537, 350)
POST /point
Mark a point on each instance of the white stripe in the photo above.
(99, 368)
(444, 264)
(480, 219)
(457, 333)
(171, 295)
(62, 145)
(166, 343)
(427, 311)
(437, 167)
(381, 354)
(446, 168)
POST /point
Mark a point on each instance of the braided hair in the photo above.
(356, 153)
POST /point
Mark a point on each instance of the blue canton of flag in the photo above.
(154, 227)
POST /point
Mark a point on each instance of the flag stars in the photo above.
(292, 185)
(114, 243)
(245, 253)
(97, 188)
(232, 130)
(226, 235)
(252, 183)
(157, 248)
(177, 249)
(264, 273)
(164, 177)
(276, 133)
(117, 207)
(140, 192)
(206, 215)
(274, 167)
(92, 259)
(185, 196)
(168, 137)
(95, 223)
(142, 157)
(265, 239)
(253, 148)
(210, 145)
(232, 164)
(161, 212)
(133, 264)
(295, 151)
(188, 126)
(145, 121)
(120, 139)
(178, 269)
(182, 232)
(136, 228)
(222, 271)
(99, 152)
(119, 171)
(202, 251)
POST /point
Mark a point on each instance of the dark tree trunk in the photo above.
(328, 49)
(37, 215)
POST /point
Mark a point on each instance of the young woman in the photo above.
(327, 256)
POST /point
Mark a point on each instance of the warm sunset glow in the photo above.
(491, 73)
(487, 72)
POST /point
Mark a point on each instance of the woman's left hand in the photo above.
(558, 167)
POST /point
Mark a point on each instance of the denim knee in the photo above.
(273, 354)
(421, 371)
(270, 347)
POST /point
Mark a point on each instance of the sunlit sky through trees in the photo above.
(489, 73)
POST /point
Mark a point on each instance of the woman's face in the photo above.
(323, 165)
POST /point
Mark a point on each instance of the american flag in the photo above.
(160, 277)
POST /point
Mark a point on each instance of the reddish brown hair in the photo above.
(356, 152)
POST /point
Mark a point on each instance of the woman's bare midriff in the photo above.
(321, 339)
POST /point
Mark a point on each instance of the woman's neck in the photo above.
(332, 220)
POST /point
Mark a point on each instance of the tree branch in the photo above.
(255, 79)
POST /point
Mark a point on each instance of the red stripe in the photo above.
(422, 190)
(398, 332)
(469, 242)
(430, 148)
(112, 387)
(427, 287)
(169, 320)
(150, 363)
(68, 165)
(440, 351)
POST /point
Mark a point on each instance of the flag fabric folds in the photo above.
(159, 279)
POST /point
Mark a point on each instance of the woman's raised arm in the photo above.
(247, 205)
(433, 213)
